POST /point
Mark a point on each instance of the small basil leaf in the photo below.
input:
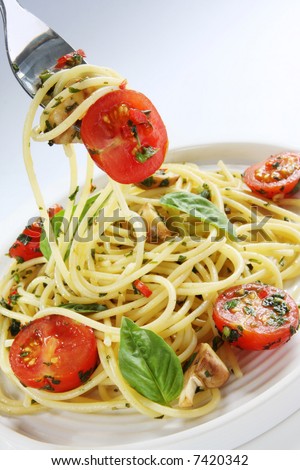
(44, 245)
(200, 208)
(85, 308)
(149, 364)
(56, 222)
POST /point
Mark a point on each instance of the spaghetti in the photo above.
(96, 258)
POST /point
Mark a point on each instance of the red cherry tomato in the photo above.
(27, 245)
(256, 316)
(125, 135)
(279, 174)
(54, 353)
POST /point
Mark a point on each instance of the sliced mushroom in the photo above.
(206, 371)
(156, 228)
(161, 178)
(61, 110)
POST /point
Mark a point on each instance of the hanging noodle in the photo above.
(185, 272)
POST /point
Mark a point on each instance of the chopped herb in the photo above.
(181, 259)
(231, 304)
(73, 195)
(276, 301)
(84, 376)
(47, 387)
(85, 308)
(249, 310)
(292, 330)
(217, 342)
(164, 183)
(24, 239)
(206, 192)
(49, 126)
(145, 153)
(24, 354)
(253, 260)
(5, 304)
(71, 107)
(148, 182)
(14, 327)
(45, 75)
(53, 380)
(207, 373)
(15, 67)
(13, 298)
(189, 362)
(276, 320)
(58, 101)
(230, 334)
(73, 89)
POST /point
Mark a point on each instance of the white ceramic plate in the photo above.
(267, 393)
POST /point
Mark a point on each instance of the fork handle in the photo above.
(9, 10)
(8, 7)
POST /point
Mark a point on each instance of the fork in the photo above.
(31, 45)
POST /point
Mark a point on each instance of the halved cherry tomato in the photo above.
(279, 174)
(70, 60)
(27, 245)
(54, 353)
(125, 135)
(142, 288)
(256, 316)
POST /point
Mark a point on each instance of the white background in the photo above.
(217, 70)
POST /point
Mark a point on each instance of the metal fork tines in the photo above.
(31, 45)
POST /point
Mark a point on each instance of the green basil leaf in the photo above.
(87, 205)
(149, 364)
(85, 308)
(44, 245)
(200, 208)
(56, 222)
